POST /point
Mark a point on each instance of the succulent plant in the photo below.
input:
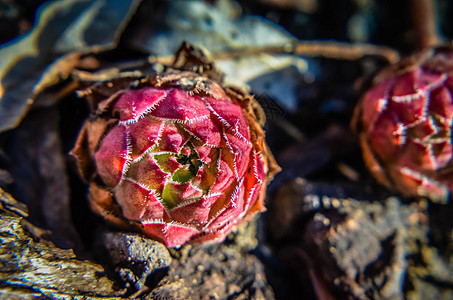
(175, 155)
(404, 123)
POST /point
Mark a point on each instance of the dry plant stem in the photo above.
(104, 75)
(424, 23)
(292, 130)
(328, 49)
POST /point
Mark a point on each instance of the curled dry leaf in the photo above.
(40, 59)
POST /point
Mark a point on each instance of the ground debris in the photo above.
(216, 271)
(357, 249)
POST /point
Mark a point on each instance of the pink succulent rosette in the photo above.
(179, 156)
(405, 125)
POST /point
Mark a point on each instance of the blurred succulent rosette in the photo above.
(404, 122)
(175, 154)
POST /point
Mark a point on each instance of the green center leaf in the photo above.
(190, 165)
(183, 175)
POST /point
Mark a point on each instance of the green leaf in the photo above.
(170, 197)
(162, 161)
(183, 175)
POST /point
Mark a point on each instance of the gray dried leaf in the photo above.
(219, 28)
(216, 27)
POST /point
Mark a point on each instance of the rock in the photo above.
(358, 249)
(137, 258)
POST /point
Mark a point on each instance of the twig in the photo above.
(328, 49)
(424, 23)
